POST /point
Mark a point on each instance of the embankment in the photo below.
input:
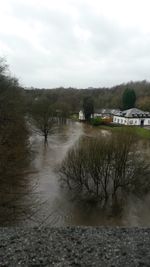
(75, 246)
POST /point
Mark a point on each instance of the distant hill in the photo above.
(102, 97)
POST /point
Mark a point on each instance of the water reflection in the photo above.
(39, 199)
(48, 205)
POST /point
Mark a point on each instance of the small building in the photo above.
(132, 116)
(81, 115)
(103, 113)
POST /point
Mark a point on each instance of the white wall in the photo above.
(81, 115)
(130, 121)
(147, 121)
(120, 120)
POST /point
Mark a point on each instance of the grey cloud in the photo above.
(59, 57)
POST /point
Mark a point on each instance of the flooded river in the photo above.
(42, 202)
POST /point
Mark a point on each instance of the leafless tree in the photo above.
(14, 145)
(43, 117)
(104, 167)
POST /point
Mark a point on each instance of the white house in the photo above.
(132, 116)
(81, 115)
(103, 113)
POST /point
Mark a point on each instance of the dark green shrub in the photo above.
(96, 121)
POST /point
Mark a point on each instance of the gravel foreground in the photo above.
(74, 246)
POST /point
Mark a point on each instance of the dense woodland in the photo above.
(71, 99)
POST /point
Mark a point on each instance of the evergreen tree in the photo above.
(128, 98)
(88, 107)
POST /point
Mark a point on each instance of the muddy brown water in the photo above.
(42, 202)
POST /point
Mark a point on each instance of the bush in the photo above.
(96, 121)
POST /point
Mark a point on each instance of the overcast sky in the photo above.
(78, 43)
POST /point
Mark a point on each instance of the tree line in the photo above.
(70, 100)
(13, 128)
(43, 108)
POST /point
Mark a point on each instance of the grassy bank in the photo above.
(140, 132)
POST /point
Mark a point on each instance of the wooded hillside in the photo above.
(71, 99)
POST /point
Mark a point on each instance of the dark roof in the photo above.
(133, 113)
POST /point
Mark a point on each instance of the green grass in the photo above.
(140, 132)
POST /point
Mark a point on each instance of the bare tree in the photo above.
(14, 145)
(13, 130)
(43, 117)
(105, 167)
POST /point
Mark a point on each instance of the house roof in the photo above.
(133, 113)
(106, 111)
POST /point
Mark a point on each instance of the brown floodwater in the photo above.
(41, 201)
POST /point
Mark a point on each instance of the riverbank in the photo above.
(141, 132)
(75, 246)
